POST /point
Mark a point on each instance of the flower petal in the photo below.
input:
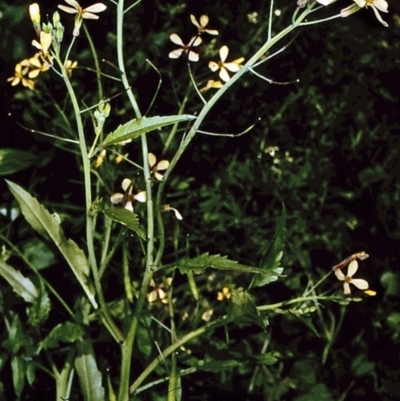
(86, 15)
(379, 18)
(116, 198)
(233, 67)
(204, 20)
(129, 206)
(194, 21)
(73, 3)
(339, 275)
(96, 8)
(68, 10)
(224, 74)
(141, 196)
(127, 183)
(223, 53)
(174, 38)
(175, 53)
(195, 41)
(151, 159)
(158, 176)
(346, 288)
(352, 269)
(194, 57)
(381, 5)
(213, 66)
(162, 165)
(360, 283)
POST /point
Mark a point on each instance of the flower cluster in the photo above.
(27, 70)
(127, 198)
(187, 49)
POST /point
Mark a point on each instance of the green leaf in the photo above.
(269, 358)
(126, 218)
(242, 309)
(136, 127)
(13, 160)
(38, 253)
(44, 223)
(273, 255)
(89, 375)
(217, 366)
(39, 311)
(18, 374)
(21, 285)
(201, 262)
(66, 332)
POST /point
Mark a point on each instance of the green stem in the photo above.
(207, 108)
(113, 329)
(127, 346)
(173, 347)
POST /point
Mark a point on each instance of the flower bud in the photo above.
(34, 12)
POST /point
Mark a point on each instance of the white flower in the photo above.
(126, 199)
(233, 66)
(348, 279)
(85, 13)
(376, 5)
(192, 56)
(201, 26)
(155, 166)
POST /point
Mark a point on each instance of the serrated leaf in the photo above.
(13, 160)
(23, 286)
(66, 332)
(126, 218)
(198, 264)
(136, 127)
(272, 256)
(44, 223)
(90, 378)
(39, 311)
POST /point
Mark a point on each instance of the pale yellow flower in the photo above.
(21, 70)
(37, 66)
(201, 26)
(82, 13)
(185, 49)
(45, 43)
(155, 166)
(348, 279)
(233, 66)
(34, 13)
(127, 198)
(376, 5)
(224, 294)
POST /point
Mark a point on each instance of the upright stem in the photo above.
(127, 346)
